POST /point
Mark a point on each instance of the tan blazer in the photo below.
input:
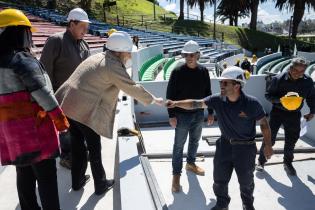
(90, 95)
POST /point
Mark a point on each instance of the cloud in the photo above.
(265, 16)
(170, 7)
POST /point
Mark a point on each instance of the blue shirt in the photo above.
(237, 120)
(281, 84)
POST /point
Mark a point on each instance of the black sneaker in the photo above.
(83, 182)
(219, 208)
(288, 167)
(99, 190)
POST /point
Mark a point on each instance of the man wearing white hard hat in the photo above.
(237, 114)
(89, 98)
(190, 80)
(61, 55)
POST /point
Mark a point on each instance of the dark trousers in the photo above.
(242, 159)
(85, 139)
(291, 126)
(65, 145)
(45, 173)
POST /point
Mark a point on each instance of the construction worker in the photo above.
(238, 61)
(62, 53)
(29, 114)
(254, 59)
(95, 84)
(237, 114)
(245, 64)
(190, 80)
(224, 65)
(287, 92)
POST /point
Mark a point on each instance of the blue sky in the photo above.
(267, 11)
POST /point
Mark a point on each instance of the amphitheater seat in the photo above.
(152, 71)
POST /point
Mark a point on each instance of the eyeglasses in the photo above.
(226, 83)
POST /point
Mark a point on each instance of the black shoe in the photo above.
(219, 208)
(288, 167)
(83, 182)
(103, 188)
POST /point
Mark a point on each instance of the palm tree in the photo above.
(253, 6)
(201, 3)
(86, 5)
(232, 10)
(298, 7)
(181, 8)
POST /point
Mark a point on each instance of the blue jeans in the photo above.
(186, 123)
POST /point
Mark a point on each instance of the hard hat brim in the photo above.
(84, 21)
(227, 78)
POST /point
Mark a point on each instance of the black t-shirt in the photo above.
(237, 120)
(186, 83)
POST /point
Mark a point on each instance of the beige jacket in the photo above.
(90, 95)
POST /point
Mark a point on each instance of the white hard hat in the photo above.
(78, 14)
(120, 41)
(234, 73)
(191, 47)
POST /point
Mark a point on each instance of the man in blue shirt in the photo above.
(292, 81)
(237, 114)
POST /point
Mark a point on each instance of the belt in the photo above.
(241, 142)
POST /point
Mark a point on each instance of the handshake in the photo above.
(160, 102)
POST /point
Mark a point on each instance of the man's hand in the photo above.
(158, 101)
(268, 151)
(170, 104)
(173, 122)
(210, 119)
(309, 116)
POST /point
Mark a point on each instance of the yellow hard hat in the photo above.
(111, 31)
(291, 101)
(14, 17)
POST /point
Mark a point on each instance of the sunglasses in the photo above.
(226, 83)
(185, 55)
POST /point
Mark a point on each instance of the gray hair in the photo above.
(299, 61)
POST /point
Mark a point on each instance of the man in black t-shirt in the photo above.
(237, 114)
(189, 80)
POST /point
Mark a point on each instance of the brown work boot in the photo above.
(195, 169)
(175, 183)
